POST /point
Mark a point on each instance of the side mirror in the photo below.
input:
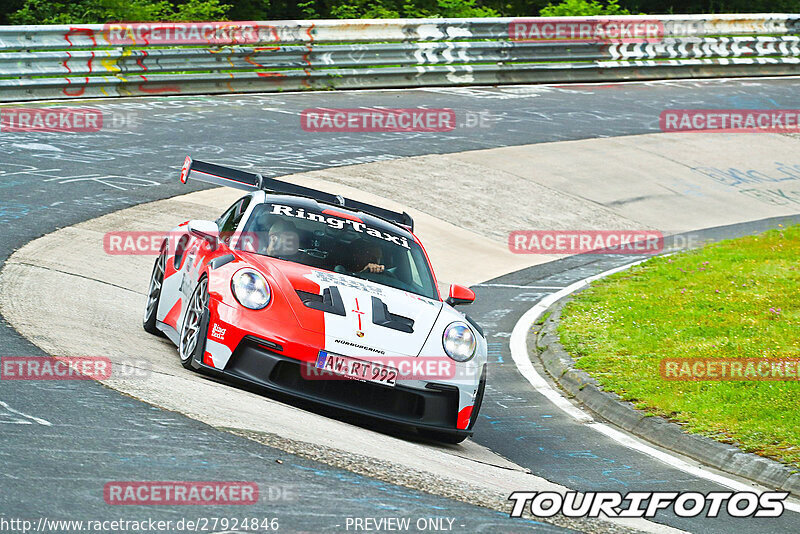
(206, 230)
(460, 295)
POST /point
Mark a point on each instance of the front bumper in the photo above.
(434, 408)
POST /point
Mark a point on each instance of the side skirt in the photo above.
(170, 332)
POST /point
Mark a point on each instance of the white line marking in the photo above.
(279, 110)
(673, 461)
(519, 353)
(32, 418)
(519, 287)
(519, 346)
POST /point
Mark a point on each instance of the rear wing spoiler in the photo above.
(248, 181)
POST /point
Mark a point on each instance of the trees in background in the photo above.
(582, 8)
(100, 11)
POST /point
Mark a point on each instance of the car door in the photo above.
(190, 262)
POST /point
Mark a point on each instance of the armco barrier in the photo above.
(120, 59)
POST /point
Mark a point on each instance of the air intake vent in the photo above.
(383, 317)
(329, 302)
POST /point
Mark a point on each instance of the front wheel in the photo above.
(154, 295)
(192, 339)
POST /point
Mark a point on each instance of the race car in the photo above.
(322, 298)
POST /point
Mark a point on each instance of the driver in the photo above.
(367, 259)
(372, 258)
(282, 239)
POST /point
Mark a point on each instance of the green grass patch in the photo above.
(541, 320)
(733, 299)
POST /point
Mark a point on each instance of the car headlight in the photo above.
(250, 289)
(459, 341)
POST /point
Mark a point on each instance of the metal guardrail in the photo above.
(55, 62)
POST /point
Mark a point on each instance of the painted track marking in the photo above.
(519, 353)
(26, 416)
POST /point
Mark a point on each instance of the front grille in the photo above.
(432, 407)
(385, 400)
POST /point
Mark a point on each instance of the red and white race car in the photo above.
(322, 298)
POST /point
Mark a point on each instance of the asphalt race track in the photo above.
(54, 180)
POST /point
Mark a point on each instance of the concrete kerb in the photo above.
(560, 368)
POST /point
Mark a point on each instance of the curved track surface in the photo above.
(54, 180)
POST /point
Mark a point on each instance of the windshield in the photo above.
(338, 242)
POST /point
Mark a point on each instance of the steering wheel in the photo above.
(376, 277)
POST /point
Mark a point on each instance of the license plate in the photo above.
(356, 369)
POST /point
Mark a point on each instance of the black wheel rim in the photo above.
(156, 282)
(190, 332)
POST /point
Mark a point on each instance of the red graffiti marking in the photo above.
(139, 61)
(69, 56)
(80, 90)
(80, 31)
(310, 48)
(152, 90)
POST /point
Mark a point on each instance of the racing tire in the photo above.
(154, 295)
(193, 334)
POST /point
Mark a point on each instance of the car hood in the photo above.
(357, 317)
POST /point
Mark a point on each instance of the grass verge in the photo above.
(734, 299)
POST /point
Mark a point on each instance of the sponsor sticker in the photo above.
(339, 221)
(218, 332)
